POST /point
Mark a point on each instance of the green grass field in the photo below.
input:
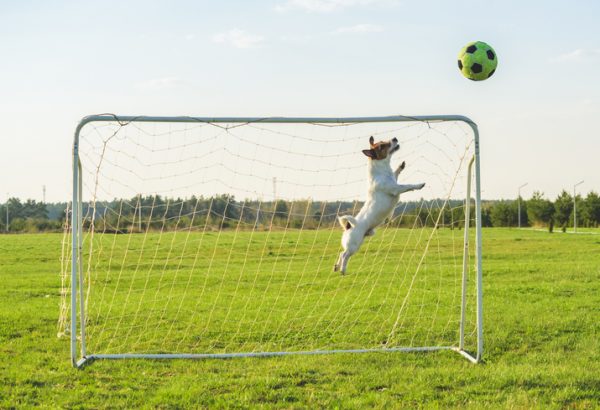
(542, 315)
(244, 291)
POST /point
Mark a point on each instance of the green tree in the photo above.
(225, 209)
(540, 210)
(591, 209)
(486, 218)
(503, 213)
(563, 209)
(317, 216)
(15, 208)
(281, 209)
(3, 217)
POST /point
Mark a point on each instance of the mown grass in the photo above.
(542, 315)
(221, 292)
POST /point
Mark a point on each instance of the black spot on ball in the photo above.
(491, 73)
(471, 49)
(460, 66)
(490, 54)
(476, 68)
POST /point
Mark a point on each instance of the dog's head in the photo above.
(382, 149)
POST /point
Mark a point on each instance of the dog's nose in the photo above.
(395, 139)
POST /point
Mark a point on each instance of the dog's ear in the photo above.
(371, 140)
(370, 153)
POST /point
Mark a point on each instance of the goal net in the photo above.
(199, 237)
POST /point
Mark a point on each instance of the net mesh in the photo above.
(221, 237)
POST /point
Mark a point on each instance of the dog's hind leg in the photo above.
(345, 256)
(337, 265)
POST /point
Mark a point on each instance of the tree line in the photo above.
(539, 211)
(224, 211)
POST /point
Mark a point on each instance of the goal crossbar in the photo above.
(80, 356)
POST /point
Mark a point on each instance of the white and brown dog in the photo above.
(382, 198)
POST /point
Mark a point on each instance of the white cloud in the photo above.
(326, 6)
(359, 28)
(160, 83)
(587, 101)
(239, 39)
(579, 54)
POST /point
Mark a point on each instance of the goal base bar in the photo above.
(88, 359)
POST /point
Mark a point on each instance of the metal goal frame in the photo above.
(81, 357)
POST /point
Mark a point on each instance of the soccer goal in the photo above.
(195, 237)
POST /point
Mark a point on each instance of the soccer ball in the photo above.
(477, 61)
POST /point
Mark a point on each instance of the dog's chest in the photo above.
(380, 203)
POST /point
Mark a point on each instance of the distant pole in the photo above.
(575, 205)
(7, 212)
(275, 189)
(140, 221)
(43, 194)
(519, 202)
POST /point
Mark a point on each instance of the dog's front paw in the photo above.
(420, 186)
(400, 168)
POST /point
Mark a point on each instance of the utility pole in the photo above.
(575, 205)
(43, 194)
(139, 205)
(7, 212)
(274, 202)
(519, 203)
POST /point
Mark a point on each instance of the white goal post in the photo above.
(200, 237)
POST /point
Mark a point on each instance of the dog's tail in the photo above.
(347, 221)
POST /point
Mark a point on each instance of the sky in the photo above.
(537, 115)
